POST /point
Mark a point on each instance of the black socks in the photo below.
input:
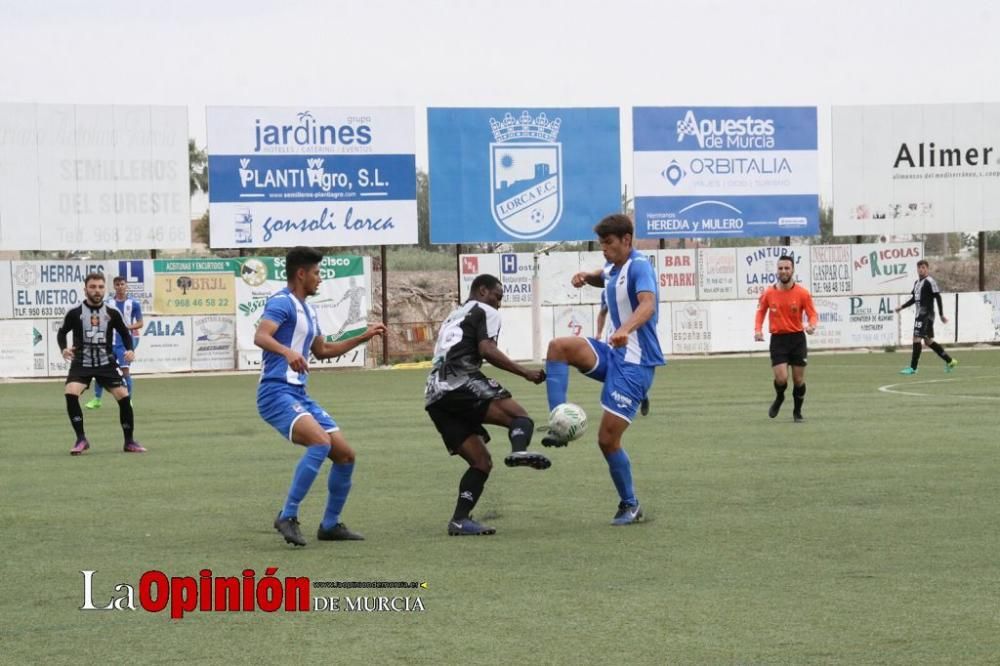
(469, 490)
(75, 415)
(520, 431)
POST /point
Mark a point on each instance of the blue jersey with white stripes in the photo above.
(131, 313)
(622, 287)
(298, 326)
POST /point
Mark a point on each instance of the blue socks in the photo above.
(556, 382)
(339, 484)
(620, 468)
(302, 479)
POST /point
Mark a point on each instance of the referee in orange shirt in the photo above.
(786, 301)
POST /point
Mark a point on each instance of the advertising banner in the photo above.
(57, 365)
(42, 289)
(573, 320)
(287, 176)
(732, 327)
(6, 307)
(195, 286)
(830, 266)
(725, 171)
(678, 275)
(506, 174)
(758, 267)
(979, 317)
(944, 333)
(855, 321)
(213, 342)
(165, 346)
(93, 177)
(889, 268)
(17, 355)
(691, 327)
(40, 347)
(916, 169)
(342, 303)
(515, 274)
(474, 265)
(717, 274)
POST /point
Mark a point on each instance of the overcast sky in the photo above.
(501, 53)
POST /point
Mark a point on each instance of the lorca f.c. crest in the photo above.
(526, 174)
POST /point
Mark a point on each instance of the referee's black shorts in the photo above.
(789, 348)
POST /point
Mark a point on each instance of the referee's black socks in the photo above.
(779, 390)
(799, 396)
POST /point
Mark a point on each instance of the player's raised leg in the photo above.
(509, 414)
(562, 353)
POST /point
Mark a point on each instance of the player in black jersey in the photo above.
(925, 294)
(92, 358)
(459, 398)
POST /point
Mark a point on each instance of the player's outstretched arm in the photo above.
(488, 350)
(906, 304)
(322, 349)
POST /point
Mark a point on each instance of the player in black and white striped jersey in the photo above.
(926, 294)
(92, 358)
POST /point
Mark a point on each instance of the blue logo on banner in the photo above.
(132, 271)
(526, 175)
(531, 174)
(508, 263)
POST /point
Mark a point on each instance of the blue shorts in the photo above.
(625, 384)
(281, 405)
(120, 350)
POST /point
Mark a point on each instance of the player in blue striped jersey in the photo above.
(288, 332)
(625, 363)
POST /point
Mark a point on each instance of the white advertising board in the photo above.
(916, 169)
(93, 177)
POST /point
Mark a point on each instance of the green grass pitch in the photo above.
(868, 534)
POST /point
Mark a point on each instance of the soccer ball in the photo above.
(568, 422)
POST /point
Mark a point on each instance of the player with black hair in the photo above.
(459, 398)
(924, 295)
